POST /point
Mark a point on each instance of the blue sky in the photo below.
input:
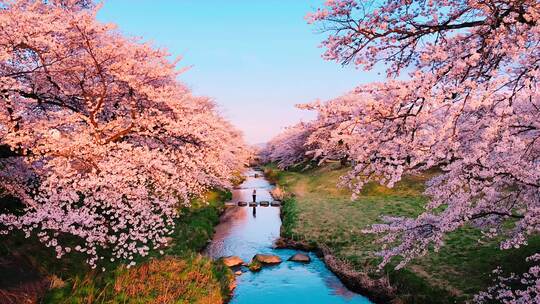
(256, 59)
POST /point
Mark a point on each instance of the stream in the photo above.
(244, 233)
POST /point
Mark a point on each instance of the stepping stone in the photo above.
(266, 259)
(275, 204)
(255, 266)
(232, 261)
(252, 204)
(239, 272)
(300, 257)
(242, 204)
(264, 203)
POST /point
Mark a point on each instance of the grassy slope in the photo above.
(320, 212)
(182, 275)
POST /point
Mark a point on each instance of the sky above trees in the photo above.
(257, 59)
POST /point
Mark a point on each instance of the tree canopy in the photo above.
(462, 96)
(106, 143)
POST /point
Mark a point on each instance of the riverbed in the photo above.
(245, 231)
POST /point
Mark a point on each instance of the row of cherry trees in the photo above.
(106, 145)
(461, 95)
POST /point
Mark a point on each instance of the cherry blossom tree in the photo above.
(288, 148)
(462, 96)
(106, 143)
(312, 141)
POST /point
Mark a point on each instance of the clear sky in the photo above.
(256, 59)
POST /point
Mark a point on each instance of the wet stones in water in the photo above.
(300, 258)
(242, 204)
(255, 266)
(275, 204)
(239, 272)
(232, 261)
(266, 259)
(252, 204)
(260, 260)
(264, 203)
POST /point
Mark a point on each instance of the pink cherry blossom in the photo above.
(107, 144)
(462, 96)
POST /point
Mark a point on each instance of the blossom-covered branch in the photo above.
(462, 97)
(107, 143)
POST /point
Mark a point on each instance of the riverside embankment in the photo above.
(244, 233)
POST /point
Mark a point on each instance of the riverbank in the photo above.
(317, 214)
(179, 275)
(377, 290)
(245, 232)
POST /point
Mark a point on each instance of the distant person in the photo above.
(254, 195)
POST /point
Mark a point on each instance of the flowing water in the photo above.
(244, 232)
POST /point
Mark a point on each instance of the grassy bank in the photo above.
(180, 275)
(318, 212)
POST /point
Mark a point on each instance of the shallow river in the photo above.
(245, 233)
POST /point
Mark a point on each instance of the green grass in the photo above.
(181, 275)
(290, 217)
(187, 279)
(321, 213)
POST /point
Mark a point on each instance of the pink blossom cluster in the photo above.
(333, 9)
(288, 148)
(106, 144)
(462, 97)
(503, 292)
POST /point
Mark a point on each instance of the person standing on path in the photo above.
(254, 195)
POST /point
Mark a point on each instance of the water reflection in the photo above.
(245, 235)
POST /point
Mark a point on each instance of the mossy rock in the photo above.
(255, 266)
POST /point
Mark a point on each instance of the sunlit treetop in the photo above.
(107, 144)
